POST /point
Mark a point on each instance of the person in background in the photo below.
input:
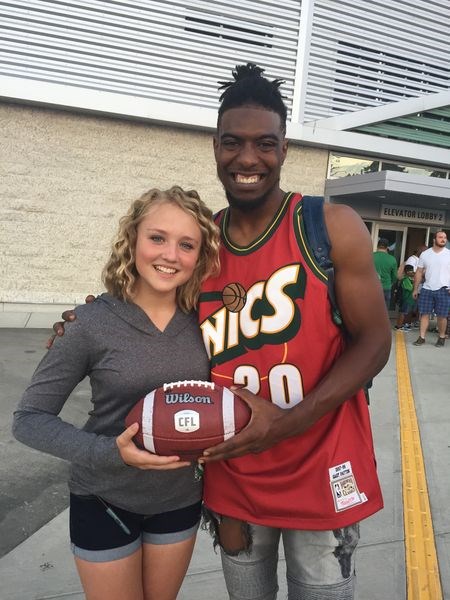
(133, 515)
(386, 268)
(434, 269)
(412, 261)
(407, 304)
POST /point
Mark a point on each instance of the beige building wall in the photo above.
(66, 178)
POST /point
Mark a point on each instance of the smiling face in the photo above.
(168, 245)
(250, 149)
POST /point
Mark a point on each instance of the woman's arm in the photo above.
(36, 421)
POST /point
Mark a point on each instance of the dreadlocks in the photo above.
(251, 88)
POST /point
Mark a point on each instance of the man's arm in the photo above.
(360, 299)
(418, 276)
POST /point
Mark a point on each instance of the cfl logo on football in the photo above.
(186, 421)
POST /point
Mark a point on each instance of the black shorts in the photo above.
(97, 535)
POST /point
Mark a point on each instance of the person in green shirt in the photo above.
(386, 267)
(406, 303)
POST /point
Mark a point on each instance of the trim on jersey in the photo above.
(211, 296)
(260, 240)
(305, 248)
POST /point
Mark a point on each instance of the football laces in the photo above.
(174, 384)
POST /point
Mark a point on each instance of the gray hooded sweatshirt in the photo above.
(125, 356)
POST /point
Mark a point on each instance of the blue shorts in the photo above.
(97, 537)
(437, 301)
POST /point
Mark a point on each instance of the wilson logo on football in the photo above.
(186, 421)
(174, 398)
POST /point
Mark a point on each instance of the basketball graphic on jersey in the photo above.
(234, 297)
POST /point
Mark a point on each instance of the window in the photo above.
(346, 166)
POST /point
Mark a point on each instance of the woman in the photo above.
(132, 529)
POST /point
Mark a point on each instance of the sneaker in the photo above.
(419, 341)
(440, 342)
(416, 325)
(406, 328)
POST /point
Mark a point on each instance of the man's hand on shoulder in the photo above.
(67, 316)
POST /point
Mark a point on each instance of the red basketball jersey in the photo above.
(274, 333)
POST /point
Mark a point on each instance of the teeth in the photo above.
(167, 270)
(248, 179)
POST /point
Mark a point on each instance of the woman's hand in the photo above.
(142, 459)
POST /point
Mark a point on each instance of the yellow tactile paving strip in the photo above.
(422, 568)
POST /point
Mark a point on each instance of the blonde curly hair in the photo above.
(120, 274)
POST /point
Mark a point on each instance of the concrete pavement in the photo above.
(36, 562)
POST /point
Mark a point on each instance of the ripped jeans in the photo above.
(320, 565)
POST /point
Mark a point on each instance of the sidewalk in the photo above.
(41, 567)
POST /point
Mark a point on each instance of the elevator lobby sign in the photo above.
(413, 214)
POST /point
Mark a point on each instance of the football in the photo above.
(185, 417)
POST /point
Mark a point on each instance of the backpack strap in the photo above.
(320, 245)
(316, 230)
(319, 242)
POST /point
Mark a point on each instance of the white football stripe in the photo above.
(147, 422)
(228, 413)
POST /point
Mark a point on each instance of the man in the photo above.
(304, 467)
(434, 267)
(297, 469)
(386, 268)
